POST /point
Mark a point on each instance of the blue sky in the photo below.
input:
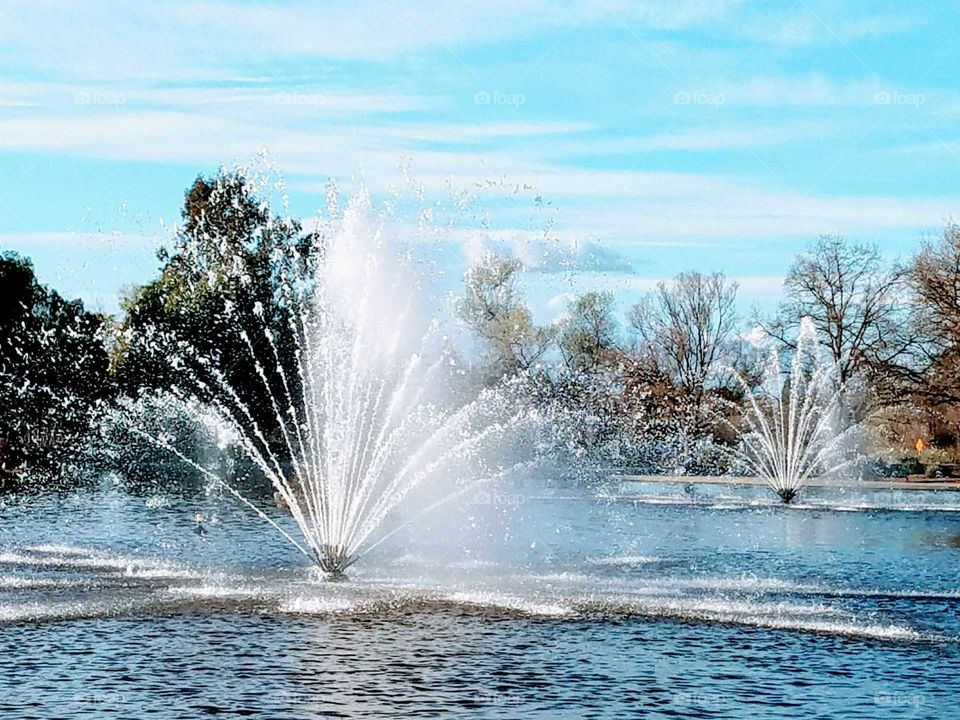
(642, 138)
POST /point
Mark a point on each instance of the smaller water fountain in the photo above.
(794, 427)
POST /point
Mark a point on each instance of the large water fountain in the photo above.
(370, 408)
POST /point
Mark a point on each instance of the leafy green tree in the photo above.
(494, 308)
(53, 369)
(589, 331)
(224, 290)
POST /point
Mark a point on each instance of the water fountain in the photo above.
(370, 406)
(795, 426)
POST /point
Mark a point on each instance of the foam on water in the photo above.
(877, 632)
(320, 606)
(819, 619)
(62, 582)
(517, 603)
(86, 559)
(721, 606)
(746, 502)
(220, 591)
(37, 611)
(556, 577)
(11, 582)
(570, 595)
(623, 560)
(63, 550)
(742, 583)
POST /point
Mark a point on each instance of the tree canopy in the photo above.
(53, 368)
(220, 285)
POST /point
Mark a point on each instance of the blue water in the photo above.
(634, 600)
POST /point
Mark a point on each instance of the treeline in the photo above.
(662, 389)
(53, 371)
(62, 367)
(658, 388)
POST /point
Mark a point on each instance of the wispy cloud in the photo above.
(201, 38)
(541, 255)
(644, 130)
(786, 90)
(816, 22)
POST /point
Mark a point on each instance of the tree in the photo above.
(855, 303)
(224, 275)
(687, 327)
(493, 307)
(935, 279)
(53, 368)
(225, 281)
(589, 331)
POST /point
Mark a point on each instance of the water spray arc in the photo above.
(364, 416)
(794, 427)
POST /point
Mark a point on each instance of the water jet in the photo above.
(373, 424)
(794, 424)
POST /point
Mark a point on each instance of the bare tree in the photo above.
(688, 327)
(855, 303)
(493, 306)
(935, 278)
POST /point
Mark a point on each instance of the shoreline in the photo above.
(951, 484)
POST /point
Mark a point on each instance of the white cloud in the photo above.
(542, 255)
(772, 90)
(200, 38)
(616, 204)
(740, 136)
(825, 24)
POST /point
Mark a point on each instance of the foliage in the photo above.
(657, 394)
(53, 370)
(589, 332)
(493, 308)
(223, 278)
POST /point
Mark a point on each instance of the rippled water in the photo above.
(712, 602)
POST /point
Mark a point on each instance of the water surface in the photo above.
(712, 602)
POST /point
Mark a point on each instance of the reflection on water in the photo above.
(555, 604)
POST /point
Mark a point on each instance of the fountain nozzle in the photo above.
(333, 560)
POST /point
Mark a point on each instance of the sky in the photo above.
(608, 144)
